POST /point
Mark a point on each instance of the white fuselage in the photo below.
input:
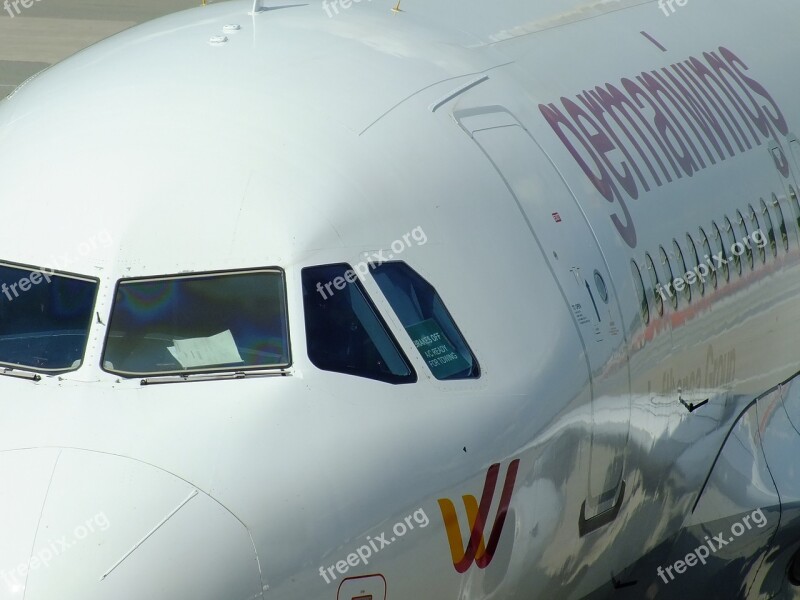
(315, 135)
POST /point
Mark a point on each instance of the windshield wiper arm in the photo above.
(20, 374)
(159, 379)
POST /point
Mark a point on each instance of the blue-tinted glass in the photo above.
(427, 321)
(344, 332)
(44, 318)
(198, 323)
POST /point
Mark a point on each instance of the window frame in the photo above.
(687, 288)
(725, 266)
(391, 379)
(762, 251)
(658, 299)
(201, 370)
(776, 204)
(737, 260)
(641, 292)
(68, 275)
(795, 204)
(664, 256)
(748, 251)
(476, 364)
(707, 248)
(693, 247)
(772, 241)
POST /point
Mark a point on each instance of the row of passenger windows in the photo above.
(689, 270)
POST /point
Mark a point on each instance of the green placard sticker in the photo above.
(436, 349)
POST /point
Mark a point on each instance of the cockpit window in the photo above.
(198, 323)
(344, 331)
(44, 318)
(427, 321)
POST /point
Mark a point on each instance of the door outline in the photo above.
(603, 506)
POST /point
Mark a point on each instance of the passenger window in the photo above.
(773, 246)
(427, 321)
(344, 331)
(670, 278)
(745, 238)
(693, 254)
(776, 205)
(707, 251)
(198, 323)
(756, 227)
(731, 234)
(640, 292)
(655, 284)
(721, 250)
(795, 204)
(687, 288)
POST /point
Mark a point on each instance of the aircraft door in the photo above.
(575, 258)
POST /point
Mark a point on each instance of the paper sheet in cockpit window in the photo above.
(218, 349)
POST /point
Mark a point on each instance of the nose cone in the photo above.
(84, 525)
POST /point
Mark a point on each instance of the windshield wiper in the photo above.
(20, 374)
(159, 379)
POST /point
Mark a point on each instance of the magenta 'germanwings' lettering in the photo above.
(675, 122)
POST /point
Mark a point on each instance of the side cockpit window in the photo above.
(427, 321)
(344, 331)
(198, 323)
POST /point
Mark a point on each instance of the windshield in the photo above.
(198, 323)
(44, 318)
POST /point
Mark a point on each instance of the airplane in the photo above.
(408, 300)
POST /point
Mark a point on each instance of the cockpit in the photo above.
(227, 322)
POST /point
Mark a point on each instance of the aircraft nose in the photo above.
(79, 524)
